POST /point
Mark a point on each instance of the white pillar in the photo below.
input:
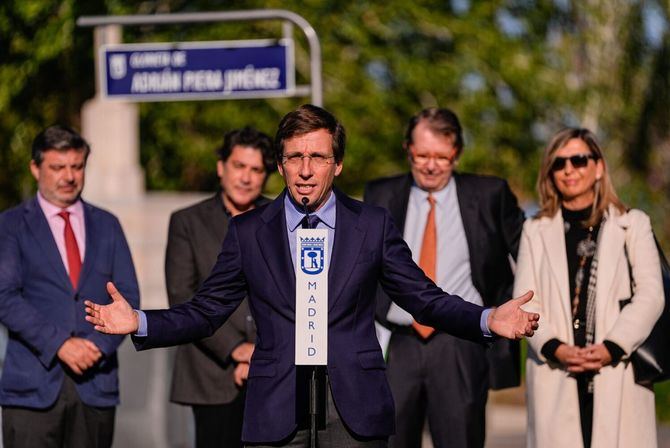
(115, 181)
(113, 172)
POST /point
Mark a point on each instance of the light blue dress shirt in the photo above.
(453, 266)
(295, 214)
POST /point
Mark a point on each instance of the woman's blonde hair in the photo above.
(550, 197)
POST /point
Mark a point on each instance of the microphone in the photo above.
(305, 201)
(316, 394)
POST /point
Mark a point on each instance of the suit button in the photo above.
(76, 297)
(72, 334)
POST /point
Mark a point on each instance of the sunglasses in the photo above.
(577, 161)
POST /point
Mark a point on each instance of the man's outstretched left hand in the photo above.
(510, 321)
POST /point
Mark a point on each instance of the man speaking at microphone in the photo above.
(257, 261)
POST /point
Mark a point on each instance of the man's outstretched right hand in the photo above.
(116, 318)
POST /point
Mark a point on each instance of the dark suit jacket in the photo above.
(492, 221)
(255, 260)
(41, 309)
(203, 371)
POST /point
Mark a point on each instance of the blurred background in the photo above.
(514, 71)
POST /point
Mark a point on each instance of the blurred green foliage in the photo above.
(515, 71)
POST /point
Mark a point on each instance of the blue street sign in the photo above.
(198, 70)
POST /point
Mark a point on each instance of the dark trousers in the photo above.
(219, 426)
(335, 434)
(444, 379)
(68, 423)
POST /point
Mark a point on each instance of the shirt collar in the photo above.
(51, 210)
(440, 196)
(295, 214)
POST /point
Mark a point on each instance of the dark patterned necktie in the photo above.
(309, 222)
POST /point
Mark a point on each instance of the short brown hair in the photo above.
(58, 138)
(252, 138)
(309, 118)
(441, 121)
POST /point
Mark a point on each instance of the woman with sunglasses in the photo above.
(575, 255)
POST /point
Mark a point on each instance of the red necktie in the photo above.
(71, 249)
(428, 259)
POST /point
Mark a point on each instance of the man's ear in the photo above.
(35, 170)
(220, 169)
(338, 168)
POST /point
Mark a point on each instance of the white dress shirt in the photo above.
(453, 272)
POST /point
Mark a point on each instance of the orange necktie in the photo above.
(428, 259)
(71, 250)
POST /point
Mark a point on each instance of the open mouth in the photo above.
(305, 189)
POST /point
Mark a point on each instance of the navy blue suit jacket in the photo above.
(41, 308)
(255, 260)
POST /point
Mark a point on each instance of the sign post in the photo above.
(315, 87)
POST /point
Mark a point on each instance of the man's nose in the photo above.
(246, 176)
(69, 174)
(306, 167)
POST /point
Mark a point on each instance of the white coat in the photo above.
(623, 414)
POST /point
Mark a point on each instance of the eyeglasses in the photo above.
(317, 159)
(424, 159)
(577, 161)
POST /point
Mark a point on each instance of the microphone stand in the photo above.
(313, 382)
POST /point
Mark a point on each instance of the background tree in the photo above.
(515, 71)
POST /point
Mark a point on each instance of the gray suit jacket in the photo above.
(203, 371)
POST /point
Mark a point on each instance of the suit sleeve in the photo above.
(638, 318)
(181, 275)
(383, 302)
(407, 285)
(182, 280)
(232, 333)
(213, 304)
(125, 280)
(21, 318)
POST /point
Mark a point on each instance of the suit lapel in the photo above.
(398, 204)
(468, 204)
(272, 239)
(216, 214)
(92, 242)
(349, 238)
(552, 232)
(213, 223)
(39, 227)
